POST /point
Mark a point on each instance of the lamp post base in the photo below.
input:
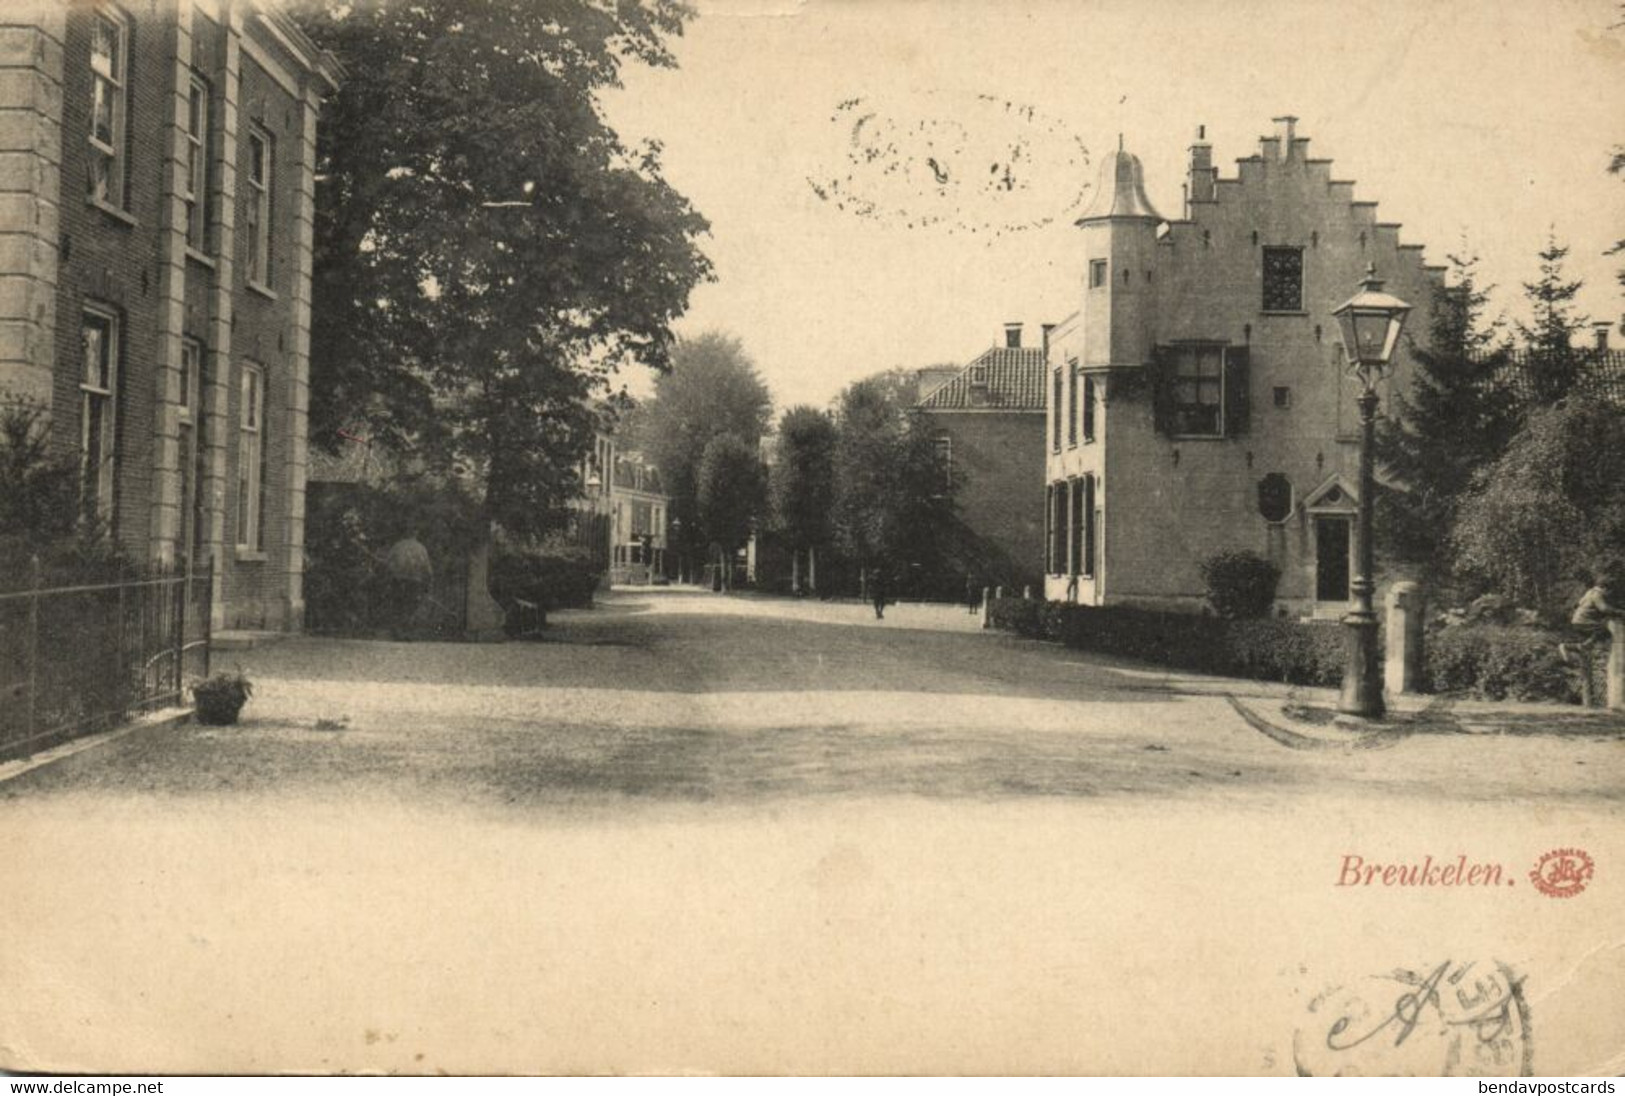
(1362, 681)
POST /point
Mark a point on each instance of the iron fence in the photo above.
(75, 659)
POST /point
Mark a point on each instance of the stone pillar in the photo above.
(217, 428)
(30, 200)
(483, 618)
(1402, 665)
(166, 518)
(1616, 665)
(297, 459)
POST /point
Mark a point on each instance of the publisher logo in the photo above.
(1562, 873)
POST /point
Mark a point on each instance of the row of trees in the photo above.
(857, 488)
(1509, 450)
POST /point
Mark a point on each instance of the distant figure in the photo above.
(409, 576)
(971, 594)
(1591, 617)
(877, 591)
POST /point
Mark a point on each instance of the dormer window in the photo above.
(977, 376)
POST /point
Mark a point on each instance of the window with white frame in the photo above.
(258, 210)
(197, 165)
(250, 459)
(98, 413)
(109, 83)
(1198, 391)
(944, 445)
(191, 380)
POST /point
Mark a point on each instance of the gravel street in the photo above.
(702, 833)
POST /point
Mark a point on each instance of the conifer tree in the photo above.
(1457, 418)
(1554, 363)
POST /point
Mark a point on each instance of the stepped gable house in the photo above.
(988, 422)
(1198, 399)
(156, 189)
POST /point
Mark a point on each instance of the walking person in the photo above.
(878, 591)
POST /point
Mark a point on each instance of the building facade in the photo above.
(987, 420)
(1198, 399)
(638, 525)
(157, 181)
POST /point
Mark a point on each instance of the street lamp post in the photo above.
(1370, 323)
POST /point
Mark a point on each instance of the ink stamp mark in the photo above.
(1562, 873)
(1451, 1020)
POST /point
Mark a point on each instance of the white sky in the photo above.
(1494, 120)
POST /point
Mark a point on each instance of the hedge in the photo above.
(1501, 662)
(1482, 661)
(1271, 650)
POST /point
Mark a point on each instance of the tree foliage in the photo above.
(803, 477)
(1457, 418)
(488, 251)
(731, 493)
(712, 389)
(1555, 364)
(1551, 508)
(893, 497)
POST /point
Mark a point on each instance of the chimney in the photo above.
(1202, 175)
(1047, 329)
(1286, 129)
(1012, 336)
(1601, 331)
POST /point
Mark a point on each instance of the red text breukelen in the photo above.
(1357, 871)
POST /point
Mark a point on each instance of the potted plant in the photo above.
(221, 697)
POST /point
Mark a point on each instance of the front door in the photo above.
(1331, 559)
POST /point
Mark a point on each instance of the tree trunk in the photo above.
(795, 570)
(812, 569)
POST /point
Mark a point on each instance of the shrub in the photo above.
(1240, 584)
(221, 697)
(550, 575)
(1498, 662)
(1018, 615)
(1276, 650)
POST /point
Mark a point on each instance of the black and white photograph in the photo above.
(808, 538)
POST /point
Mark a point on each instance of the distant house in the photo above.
(639, 509)
(988, 422)
(1199, 400)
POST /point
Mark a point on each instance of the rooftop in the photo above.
(1004, 378)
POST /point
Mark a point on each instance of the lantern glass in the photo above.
(1370, 323)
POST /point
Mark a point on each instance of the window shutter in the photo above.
(1089, 525)
(1237, 391)
(1162, 390)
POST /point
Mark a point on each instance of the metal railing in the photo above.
(76, 659)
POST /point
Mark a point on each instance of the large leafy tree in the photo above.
(1456, 419)
(1552, 508)
(893, 500)
(489, 252)
(802, 482)
(712, 389)
(730, 496)
(1555, 364)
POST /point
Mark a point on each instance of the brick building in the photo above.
(988, 422)
(1198, 399)
(156, 200)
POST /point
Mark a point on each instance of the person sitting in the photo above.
(1591, 617)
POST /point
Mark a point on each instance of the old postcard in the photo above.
(812, 537)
